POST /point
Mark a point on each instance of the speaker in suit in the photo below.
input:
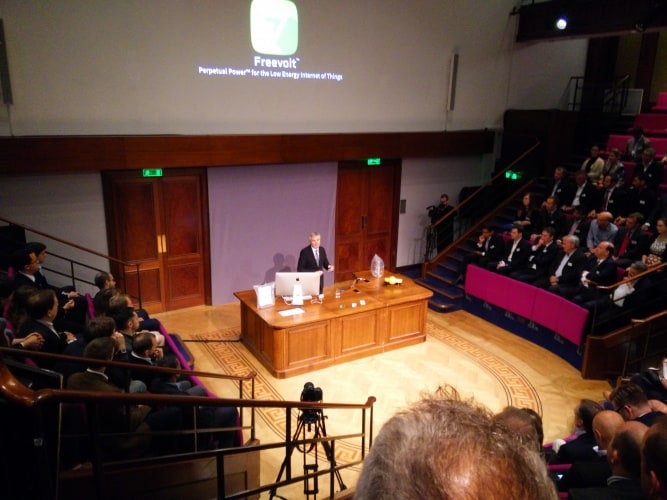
(313, 258)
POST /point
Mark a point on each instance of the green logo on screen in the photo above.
(274, 27)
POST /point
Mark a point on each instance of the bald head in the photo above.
(605, 425)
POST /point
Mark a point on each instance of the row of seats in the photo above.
(654, 124)
(544, 308)
(661, 103)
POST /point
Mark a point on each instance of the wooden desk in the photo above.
(335, 332)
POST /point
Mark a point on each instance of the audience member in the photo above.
(584, 193)
(583, 447)
(526, 215)
(630, 401)
(651, 169)
(635, 295)
(207, 416)
(624, 459)
(659, 212)
(447, 448)
(543, 253)
(654, 461)
(522, 425)
(119, 300)
(640, 198)
(566, 268)
(601, 229)
(550, 216)
(656, 251)
(593, 165)
(631, 242)
(517, 252)
(561, 186)
(42, 308)
(601, 271)
(133, 422)
(580, 225)
(614, 167)
(490, 248)
(144, 353)
(612, 197)
(636, 145)
(594, 473)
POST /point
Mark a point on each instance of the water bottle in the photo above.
(377, 266)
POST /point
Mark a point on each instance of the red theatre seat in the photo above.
(661, 103)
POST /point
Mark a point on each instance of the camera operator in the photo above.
(444, 230)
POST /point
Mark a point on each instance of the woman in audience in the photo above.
(16, 314)
(526, 215)
(613, 166)
(593, 165)
(656, 251)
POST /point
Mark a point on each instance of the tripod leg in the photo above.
(288, 457)
(328, 451)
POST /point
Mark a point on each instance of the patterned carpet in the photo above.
(509, 385)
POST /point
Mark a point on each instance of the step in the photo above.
(440, 287)
(441, 304)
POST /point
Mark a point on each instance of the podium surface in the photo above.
(335, 331)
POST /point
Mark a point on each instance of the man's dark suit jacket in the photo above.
(307, 262)
(563, 191)
(543, 258)
(53, 342)
(556, 219)
(617, 203)
(637, 245)
(578, 450)
(622, 489)
(495, 250)
(653, 172)
(587, 198)
(586, 475)
(519, 257)
(146, 376)
(580, 232)
(603, 274)
(571, 273)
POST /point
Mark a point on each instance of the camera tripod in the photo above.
(306, 421)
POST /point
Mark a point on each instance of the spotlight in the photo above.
(561, 23)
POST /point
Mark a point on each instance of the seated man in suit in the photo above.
(624, 459)
(612, 198)
(594, 473)
(542, 255)
(42, 309)
(583, 448)
(490, 248)
(134, 421)
(631, 242)
(579, 225)
(566, 268)
(561, 186)
(631, 402)
(144, 353)
(313, 258)
(601, 271)
(550, 216)
(207, 417)
(584, 193)
(654, 461)
(515, 257)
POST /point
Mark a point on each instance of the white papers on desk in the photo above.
(292, 312)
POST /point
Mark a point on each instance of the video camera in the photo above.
(310, 394)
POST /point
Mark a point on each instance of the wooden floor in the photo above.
(480, 360)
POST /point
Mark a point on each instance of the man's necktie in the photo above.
(624, 244)
(317, 256)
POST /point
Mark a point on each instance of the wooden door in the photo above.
(367, 200)
(161, 224)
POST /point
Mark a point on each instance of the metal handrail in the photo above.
(469, 200)
(122, 265)
(15, 392)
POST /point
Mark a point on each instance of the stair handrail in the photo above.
(452, 213)
(121, 264)
(15, 392)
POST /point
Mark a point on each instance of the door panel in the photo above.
(366, 216)
(162, 225)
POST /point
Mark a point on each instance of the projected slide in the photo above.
(274, 35)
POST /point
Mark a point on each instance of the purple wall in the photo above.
(260, 218)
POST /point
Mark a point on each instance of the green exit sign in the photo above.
(152, 172)
(374, 161)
